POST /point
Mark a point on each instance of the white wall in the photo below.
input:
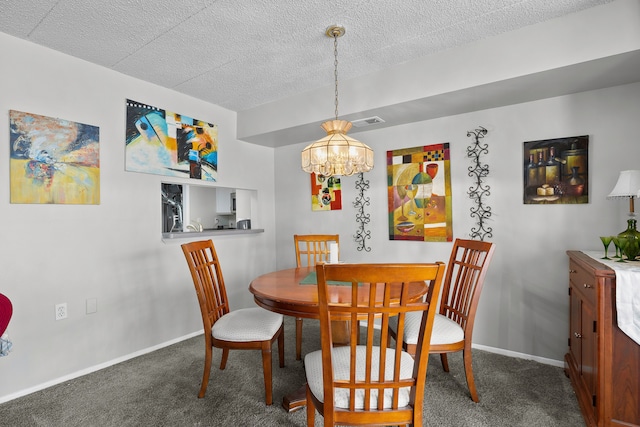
(524, 306)
(51, 254)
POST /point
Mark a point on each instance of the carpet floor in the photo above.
(160, 389)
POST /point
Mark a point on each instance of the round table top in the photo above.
(282, 292)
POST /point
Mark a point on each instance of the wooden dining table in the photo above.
(293, 292)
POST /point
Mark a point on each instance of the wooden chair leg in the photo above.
(445, 362)
(207, 371)
(468, 370)
(281, 346)
(311, 410)
(410, 348)
(266, 367)
(298, 338)
(225, 356)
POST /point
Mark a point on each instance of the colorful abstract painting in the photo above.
(166, 143)
(53, 160)
(326, 193)
(419, 191)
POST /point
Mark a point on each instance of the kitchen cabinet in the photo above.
(603, 363)
(225, 201)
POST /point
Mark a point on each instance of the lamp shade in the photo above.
(337, 153)
(628, 185)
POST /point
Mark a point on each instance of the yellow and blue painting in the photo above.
(165, 143)
(53, 161)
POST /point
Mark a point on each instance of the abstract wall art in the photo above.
(53, 161)
(419, 193)
(166, 143)
(326, 193)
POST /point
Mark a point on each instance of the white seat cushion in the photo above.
(247, 324)
(445, 330)
(340, 358)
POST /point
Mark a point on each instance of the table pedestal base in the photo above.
(296, 400)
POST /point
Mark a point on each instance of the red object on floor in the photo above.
(6, 310)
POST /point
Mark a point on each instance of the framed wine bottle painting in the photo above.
(556, 171)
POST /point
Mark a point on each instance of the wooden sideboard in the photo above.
(603, 363)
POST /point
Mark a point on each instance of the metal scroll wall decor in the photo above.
(479, 190)
(362, 218)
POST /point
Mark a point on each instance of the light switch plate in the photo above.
(92, 305)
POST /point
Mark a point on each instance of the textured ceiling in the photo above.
(242, 54)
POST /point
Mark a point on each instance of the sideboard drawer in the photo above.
(584, 281)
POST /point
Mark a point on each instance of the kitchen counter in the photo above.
(208, 233)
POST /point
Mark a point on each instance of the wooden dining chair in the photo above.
(311, 249)
(243, 329)
(374, 383)
(453, 326)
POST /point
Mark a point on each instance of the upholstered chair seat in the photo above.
(445, 330)
(247, 324)
(342, 370)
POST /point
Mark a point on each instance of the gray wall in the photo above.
(524, 306)
(113, 252)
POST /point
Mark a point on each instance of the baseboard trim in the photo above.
(95, 368)
(544, 360)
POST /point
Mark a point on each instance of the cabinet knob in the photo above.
(586, 285)
(577, 335)
(572, 271)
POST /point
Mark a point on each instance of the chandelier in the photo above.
(337, 153)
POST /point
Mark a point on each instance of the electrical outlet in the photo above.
(61, 311)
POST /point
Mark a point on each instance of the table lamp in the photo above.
(628, 186)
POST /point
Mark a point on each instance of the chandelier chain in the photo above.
(335, 64)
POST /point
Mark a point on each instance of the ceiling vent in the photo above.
(360, 123)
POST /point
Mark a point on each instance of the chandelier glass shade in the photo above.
(337, 153)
